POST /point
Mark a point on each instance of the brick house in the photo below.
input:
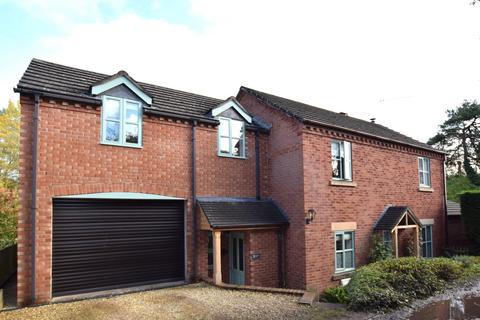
(125, 184)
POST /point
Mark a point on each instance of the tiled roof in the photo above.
(55, 79)
(241, 213)
(391, 218)
(308, 113)
(453, 208)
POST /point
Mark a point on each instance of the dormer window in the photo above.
(121, 122)
(231, 138)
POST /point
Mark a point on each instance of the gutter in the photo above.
(194, 198)
(34, 189)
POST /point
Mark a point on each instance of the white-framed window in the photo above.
(341, 160)
(427, 241)
(231, 138)
(121, 122)
(424, 172)
(344, 251)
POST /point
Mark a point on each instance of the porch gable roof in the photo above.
(241, 213)
(392, 217)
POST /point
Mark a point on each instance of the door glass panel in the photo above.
(240, 254)
(234, 254)
(429, 233)
(112, 131)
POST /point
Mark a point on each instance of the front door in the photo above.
(237, 264)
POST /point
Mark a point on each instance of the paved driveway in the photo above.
(197, 301)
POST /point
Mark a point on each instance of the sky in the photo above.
(402, 62)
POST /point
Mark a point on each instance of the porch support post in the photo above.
(217, 257)
(417, 241)
(395, 238)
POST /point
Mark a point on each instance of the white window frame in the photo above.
(123, 123)
(425, 172)
(230, 138)
(340, 270)
(425, 241)
(345, 148)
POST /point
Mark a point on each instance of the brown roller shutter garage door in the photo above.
(105, 244)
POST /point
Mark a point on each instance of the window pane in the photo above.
(225, 145)
(336, 168)
(349, 259)
(223, 128)
(131, 133)
(132, 115)
(424, 250)
(335, 150)
(240, 254)
(420, 164)
(237, 129)
(237, 147)
(112, 109)
(112, 131)
(348, 240)
(429, 233)
(340, 260)
(422, 180)
(338, 242)
(429, 250)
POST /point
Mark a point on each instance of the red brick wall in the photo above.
(71, 161)
(285, 165)
(384, 175)
(264, 270)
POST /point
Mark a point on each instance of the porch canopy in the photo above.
(229, 214)
(395, 219)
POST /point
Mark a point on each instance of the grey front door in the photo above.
(237, 263)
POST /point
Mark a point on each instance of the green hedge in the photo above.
(393, 283)
(470, 203)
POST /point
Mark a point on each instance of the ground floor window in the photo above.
(344, 251)
(427, 248)
(210, 251)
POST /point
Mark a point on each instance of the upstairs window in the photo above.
(231, 138)
(424, 172)
(341, 160)
(121, 122)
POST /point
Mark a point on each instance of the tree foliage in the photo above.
(9, 144)
(459, 136)
(9, 163)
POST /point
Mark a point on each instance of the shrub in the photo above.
(467, 261)
(379, 251)
(336, 295)
(393, 283)
(369, 290)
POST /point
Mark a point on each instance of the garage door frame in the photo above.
(123, 196)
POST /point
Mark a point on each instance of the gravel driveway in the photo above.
(196, 301)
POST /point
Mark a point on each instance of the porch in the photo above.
(241, 242)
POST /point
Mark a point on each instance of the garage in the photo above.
(108, 242)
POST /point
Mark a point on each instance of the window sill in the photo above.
(425, 189)
(342, 275)
(231, 157)
(342, 183)
(121, 145)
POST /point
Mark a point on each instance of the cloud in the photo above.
(401, 62)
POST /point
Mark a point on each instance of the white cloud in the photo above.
(403, 62)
